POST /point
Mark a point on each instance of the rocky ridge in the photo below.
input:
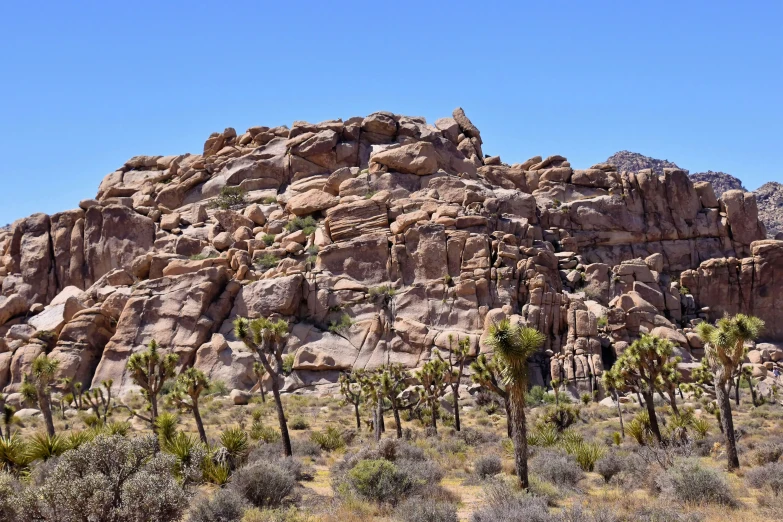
(720, 181)
(378, 239)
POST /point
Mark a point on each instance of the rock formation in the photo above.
(720, 181)
(377, 239)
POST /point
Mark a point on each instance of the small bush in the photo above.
(268, 239)
(423, 510)
(767, 452)
(328, 440)
(585, 453)
(267, 261)
(561, 416)
(488, 466)
(230, 197)
(379, 480)
(557, 468)
(8, 488)
(473, 437)
(689, 482)
(227, 505)
(767, 475)
(342, 325)
(610, 465)
(264, 484)
(264, 433)
(299, 423)
(306, 225)
(501, 503)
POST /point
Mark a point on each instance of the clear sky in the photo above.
(86, 85)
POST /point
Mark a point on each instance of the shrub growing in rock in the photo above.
(687, 481)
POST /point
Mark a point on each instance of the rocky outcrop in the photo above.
(769, 199)
(721, 182)
(378, 239)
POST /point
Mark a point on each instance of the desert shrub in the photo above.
(264, 484)
(342, 325)
(770, 474)
(8, 488)
(535, 396)
(488, 466)
(234, 441)
(299, 423)
(561, 416)
(689, 482)
(306, 447)
(474, 437)
(585, 453)
(267, 261)
(110, 478)
(664, 513)
(421, 471)
(502, 503)
(767, 452)
(305, 224)
(229, 197)
(420, 510)
(557, 468)
(610, 465)
(264, 433)
(227, 505)
(379, 480)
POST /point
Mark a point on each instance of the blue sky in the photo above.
(87, 85)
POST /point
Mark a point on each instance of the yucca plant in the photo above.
(638, 430)
(263, 433)
(235, 442)
(14, 456)
(701, 427)
(218, 474)
(545, 435)
(585, 453)
(43, 446)
(121, 428)
(329, 440)
(77, 438)
(166, 426)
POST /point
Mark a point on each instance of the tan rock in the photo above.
(311, 201)
(417, 158)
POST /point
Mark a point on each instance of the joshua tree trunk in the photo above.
(263, 393)
(434, 418)
(509, 423)
(199, 423)
(153, 407)
(727, 423)
(281, 418)
(753, 396)
(397, 420)
(455, 394)
(648, 400)
(46, 410)
(377, 414)
(737, 393)
(358, 417)
(619, 412)
(516, 396)
(673, 402)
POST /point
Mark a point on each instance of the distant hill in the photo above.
(627, 161)
(721, 182)
(769, 196)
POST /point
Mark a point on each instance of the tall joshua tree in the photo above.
(457, 359)
(724, 352)
(392, 382)
(150, 370)
(266, 338)
(190, 384)
(515, 344)
(259, 371)
(488, 373)
(644, 367)
(351, 389)
(41, 376)
(433, 378)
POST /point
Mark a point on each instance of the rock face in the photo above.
(769, 199)
(378, 239)
(720, 181)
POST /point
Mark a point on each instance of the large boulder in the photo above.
(313, 200)
(416, 158)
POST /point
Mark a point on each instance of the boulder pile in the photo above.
(378, 239)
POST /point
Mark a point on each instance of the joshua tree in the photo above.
(265, 337)
(260, 371)
(433, 378)
(375, 398)
(724, 353)
(644, 367)
(391, 381)
(351, 389)
(100, 401)
(150, 370)
(514, 345)
(41, 376)
(190, 384)
(488, 373)
(457, 359)
(611, 385)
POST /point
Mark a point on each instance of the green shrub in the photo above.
(328, 440)
(299, 423)
(306, 225)
(235, 442)
(44, 447)
(267, 261)
(288, 363)
(217, 387)
(264, 433)
(562, 416)
(229, 198)
(166, 426)
(585, 453)
(379, 480)
(341, 326)
(269, 200)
